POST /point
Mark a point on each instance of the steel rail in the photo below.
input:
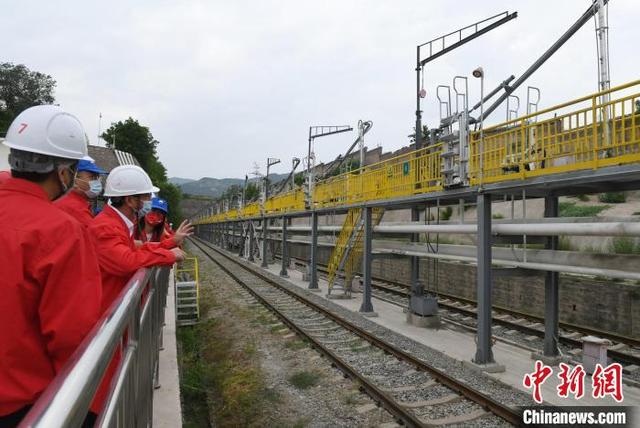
(391, 405)
(507, 413)
(567, 326)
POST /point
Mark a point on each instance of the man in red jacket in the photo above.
(87, 186)
(129, 190)
(49, 275)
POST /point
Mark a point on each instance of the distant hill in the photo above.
(213, 187)
(180, 181)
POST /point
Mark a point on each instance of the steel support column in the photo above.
(264, 263)
(242, 240)
(416, 285)
(484, 354)
(285, 249)
(313, 263)
(551, 289)
(251, 238)
(367, 257)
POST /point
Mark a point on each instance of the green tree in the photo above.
(425, 134)
(173, 195)
(252, 192)
(130, 136)
(21, 88)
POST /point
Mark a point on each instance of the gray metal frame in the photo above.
(66, 400)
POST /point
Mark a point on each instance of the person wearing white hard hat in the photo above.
(50, 281)
(87, 187)
(129, 189)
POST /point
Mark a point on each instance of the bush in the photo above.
(583, 198)
(446, 213)
(497, 216)
(612, 197)
(570, 209)
(304, 379)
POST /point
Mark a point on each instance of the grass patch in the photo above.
(624, 245)
(304, 379)
(277, 328)
(351, 397)
(219, 377)
(583, 198)
(564, 243)
(497, 216)
(570, 209)
(612, 197)
(296, 345)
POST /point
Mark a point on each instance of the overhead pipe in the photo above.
(549, 267)
(497, 229)
(534, 229)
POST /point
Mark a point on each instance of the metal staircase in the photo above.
(348, 250)
(187, 292)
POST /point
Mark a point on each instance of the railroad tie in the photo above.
(467, 417)
(449, 398)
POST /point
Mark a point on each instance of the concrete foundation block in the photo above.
(339, 296)
(370, 314)
(631, 368)
(486, 368)
(548, 360)
(432, 321)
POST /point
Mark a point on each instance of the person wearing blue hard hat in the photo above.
(155, 228)
(87, 187)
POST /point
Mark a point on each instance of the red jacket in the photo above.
(118, 257)
(165, 240)
(77, 206)
(119, 260)
(50, 291)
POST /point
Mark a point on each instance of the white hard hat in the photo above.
(48, 130)
(128, 180)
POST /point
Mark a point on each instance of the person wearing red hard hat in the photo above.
(50, 281)
(129, 190)
(87, 187)
(154, 228)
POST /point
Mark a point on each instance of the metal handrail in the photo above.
(66, 401)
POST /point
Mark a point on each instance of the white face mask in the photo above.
(95, 188)
(146, 209)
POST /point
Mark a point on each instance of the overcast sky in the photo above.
(224, 84)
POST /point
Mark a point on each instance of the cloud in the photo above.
(224, 84)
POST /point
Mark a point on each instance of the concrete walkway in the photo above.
(167, 412)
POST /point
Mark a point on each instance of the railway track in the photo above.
(514, 327)
(415, 392)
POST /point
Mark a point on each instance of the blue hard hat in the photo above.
(160, 204)
(87, 165)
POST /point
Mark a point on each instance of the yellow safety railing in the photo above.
(591, 132)
(595, 131)
(286, 202)
(414, 172)
(418, 171)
